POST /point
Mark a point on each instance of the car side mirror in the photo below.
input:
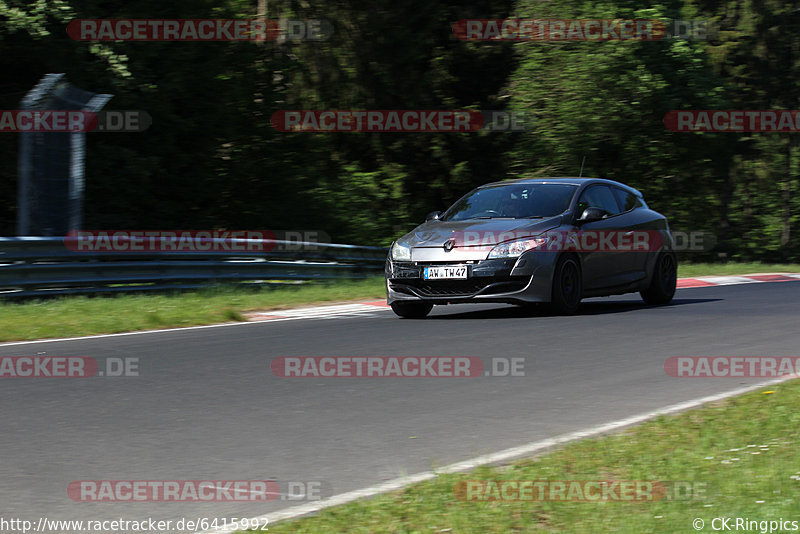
(591, 215)
(434, 215)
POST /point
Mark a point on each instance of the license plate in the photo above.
(453, 272)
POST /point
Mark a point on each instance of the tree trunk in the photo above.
(786, 208)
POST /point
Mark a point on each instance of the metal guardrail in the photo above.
(41, 266)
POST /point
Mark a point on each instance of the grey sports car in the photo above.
(544, 240)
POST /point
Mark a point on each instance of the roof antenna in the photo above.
(582, 162)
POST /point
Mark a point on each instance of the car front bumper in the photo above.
(527, 279)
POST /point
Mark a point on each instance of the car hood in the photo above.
(476, 232)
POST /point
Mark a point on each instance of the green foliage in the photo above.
(605, 101)
(212, 159)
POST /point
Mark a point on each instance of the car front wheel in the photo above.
(412, 310)
(567, 286)
(665, 279)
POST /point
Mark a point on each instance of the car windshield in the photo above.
(517, 201)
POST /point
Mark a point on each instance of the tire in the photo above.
(665, 279)
(567, 286)
(412, 310)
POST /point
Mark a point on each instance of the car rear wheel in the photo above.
(412, 310)
(665, 279)
(567, 286)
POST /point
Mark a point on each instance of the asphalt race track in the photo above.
(206, 405)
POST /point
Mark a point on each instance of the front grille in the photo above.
(449, 288)
(460, 288)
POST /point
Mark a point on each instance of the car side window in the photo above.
(627, 200)
(599, 196)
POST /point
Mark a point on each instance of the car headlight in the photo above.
(401, 252)
(513, 249)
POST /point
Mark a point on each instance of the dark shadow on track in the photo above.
(542, 310)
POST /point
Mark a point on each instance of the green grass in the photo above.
(81, 315)
(688, 270)
(745, 450)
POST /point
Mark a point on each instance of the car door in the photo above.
(603, 265)
(632, 221)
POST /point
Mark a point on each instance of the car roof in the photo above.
(564, 180)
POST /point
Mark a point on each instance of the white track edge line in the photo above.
(497, 457)
(272, 320)
(242, 323)
(184, 328)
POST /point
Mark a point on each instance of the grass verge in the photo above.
(689, 270)
(82, 316)
(741, 457)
